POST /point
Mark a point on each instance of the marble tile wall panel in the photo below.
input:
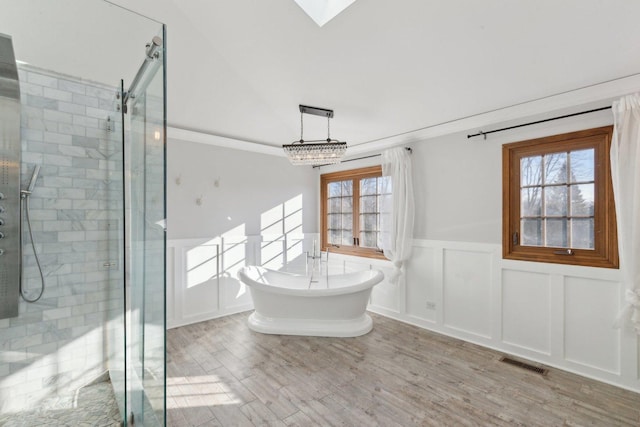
(60, 342)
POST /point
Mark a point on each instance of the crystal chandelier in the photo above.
(315, 152)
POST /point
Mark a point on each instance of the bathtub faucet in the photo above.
(317, 260)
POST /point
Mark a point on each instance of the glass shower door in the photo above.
(146, 213)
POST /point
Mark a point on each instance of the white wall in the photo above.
(458, 181)
(235, 187)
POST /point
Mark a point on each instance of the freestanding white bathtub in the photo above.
(326, 306)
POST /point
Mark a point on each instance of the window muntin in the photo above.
(350, 210)
(340, 212)
(558, 200)
(372, 192)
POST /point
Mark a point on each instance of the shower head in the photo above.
(34, 178)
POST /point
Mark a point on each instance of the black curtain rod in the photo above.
(536, 122)
(360, 158)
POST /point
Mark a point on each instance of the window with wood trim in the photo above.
(350, 211)
(558, 200)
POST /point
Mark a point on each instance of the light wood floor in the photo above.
(219, 373)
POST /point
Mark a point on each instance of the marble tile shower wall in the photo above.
(61, 342)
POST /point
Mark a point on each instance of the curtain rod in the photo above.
(480, 133)
(409, 149)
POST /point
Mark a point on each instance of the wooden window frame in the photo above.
(357, 175)
(605, 252)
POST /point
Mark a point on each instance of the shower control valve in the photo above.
(1, 196)
(1, 209)
(1, 221)
(1, 235)
(1, 252)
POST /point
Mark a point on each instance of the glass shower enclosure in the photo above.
(92, 113)
(144, 113)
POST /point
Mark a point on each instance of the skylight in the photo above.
(323, 11)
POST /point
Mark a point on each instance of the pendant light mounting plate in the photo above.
(316, 111)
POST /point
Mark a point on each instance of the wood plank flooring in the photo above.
(219, 373)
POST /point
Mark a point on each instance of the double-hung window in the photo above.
(558, 200)
(350, 210)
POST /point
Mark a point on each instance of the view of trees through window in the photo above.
(557, 196)
(351, 202)
(557, 200)
(340, 213)
(374, 193)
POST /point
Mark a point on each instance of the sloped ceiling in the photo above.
(239, 68)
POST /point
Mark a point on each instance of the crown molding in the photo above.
(600, 94)
(175, 132)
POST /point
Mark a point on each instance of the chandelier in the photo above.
(315, 152)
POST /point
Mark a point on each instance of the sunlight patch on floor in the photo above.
(199, 390)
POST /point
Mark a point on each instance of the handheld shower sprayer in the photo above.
(32, 183)
(24, 204)
(34, 178)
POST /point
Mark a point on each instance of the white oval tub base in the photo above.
(311, 327)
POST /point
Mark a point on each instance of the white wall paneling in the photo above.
(466, 288)
(590, 337)
(203, 284)
(526, 310)
(557, 315)
(386, 295)
(424, 296)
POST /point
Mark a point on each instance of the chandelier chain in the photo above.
(328, 129)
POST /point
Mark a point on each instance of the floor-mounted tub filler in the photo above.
(324, 306)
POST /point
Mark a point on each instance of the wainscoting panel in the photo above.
(526, 310)
(423, 297)
(385, 297)
(200, 284)
(234, 294)
(467, 291)
(590, 336)
(201, 279)
(385, 294)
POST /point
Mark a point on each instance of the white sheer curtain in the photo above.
(625, 174)
(396, 210)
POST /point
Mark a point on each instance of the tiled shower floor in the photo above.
(93, 405)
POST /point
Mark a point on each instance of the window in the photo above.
(558, 200)
(350, 211)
